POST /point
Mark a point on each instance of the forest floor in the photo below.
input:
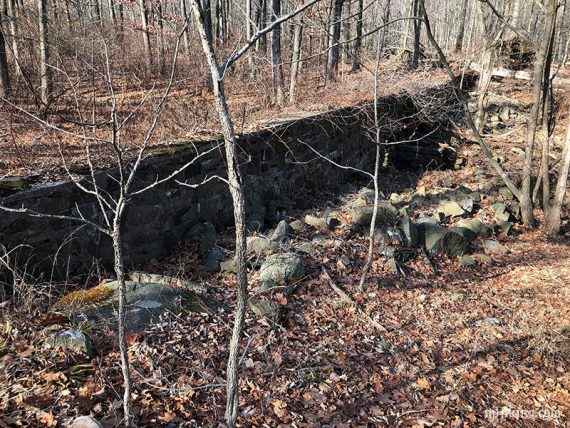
(460, 346)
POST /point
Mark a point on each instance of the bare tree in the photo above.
(461, 30)
(296, 59)
(356, 60)
(45, 69)
(146, 36)
(276, 61)
(235, 183)
(333, 57)
(4, 74)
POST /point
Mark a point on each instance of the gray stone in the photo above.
(397, 200)
(476, 226)
(506, 193)
(229, 266)
(85, 422)
(493, 247)
(505, 226)
(73, 340)
(306, 247)
(344, 261)
(387, 214)
(319, 223)
(492, 321)
(392, 265)
(451, 209)
(467, 261)
(426, 220)
(467, 204)
(438, 239)
(258, 244)
(332, 222)
(282, 232)
(298, 226)
(212, 262)
(281, 267)
(265, 308)
(410, 231)
(445, 182)
(206, 234)
(388, 235)
(468, 234)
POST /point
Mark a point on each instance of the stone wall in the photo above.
(276, 165)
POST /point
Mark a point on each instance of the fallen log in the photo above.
(515, 74)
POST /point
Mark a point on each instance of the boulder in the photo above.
(265, 309)
(493, 247)
(467, 261)
(387, 214)
(506, 193)
(388, 235)
(319, 223)
(483, 259)
(397, 200)
(146, 303)
(505, 226)
(467, 204)
(306, 247)
(438, 239)
(476, 226)
(73, 340)
(500, 211)
(281, 267)
(344, 262)
(427, 220)
(229, 266)
(258, 244)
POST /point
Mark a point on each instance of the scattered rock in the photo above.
(281, 232)
(85, 422)
(438, 239)
(505, 226)
(298, 226)
(327, 223)
(392, 265)
(73, 340)
(344, 261)
(332, 222)
(451, 209)
(265, 308)
(492, 321)
(426, 220)
(306, 247)
(387, 214)
(212, 262)
(397, 200)
(258, 244)
(229, 266)
(468, 234)
(467, 261)
(281, 267)
(476, 226)
(410, 231)
(445, 182)
(421, 191)
(206, 234)
(506, 193)
(154, 278)
(388, 235)
(467, 204)
(493, 247)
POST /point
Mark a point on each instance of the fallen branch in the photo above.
(346, 298)
(516, 74)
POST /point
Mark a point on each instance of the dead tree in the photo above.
(235, 183)
(45, 69)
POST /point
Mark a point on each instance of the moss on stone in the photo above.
(92, 296)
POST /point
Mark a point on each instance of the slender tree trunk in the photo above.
(123, 347)
(417, 33)
(461, 31)
(13, 21)
(186, 32)
(486, 74)
(296, 59)
(276, 61)
(236, 190)
(385, 20)
(4, 73)
(112, 14)
(146, 37)
(249, 33)
(334, 39)
(160, 22)
(207, 9)
(539, 75)
(45, 70)
(356, 57)
(553, 217)
(261, 22)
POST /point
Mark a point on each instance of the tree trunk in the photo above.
(236, 190)
(543, 57)
(296, 59)
(249, 33)
(4, 73)
(334, 38)
(112, 15)
(276, 61)
(417, 34)
(356, 55)
(553, 217)
(187, 31)
(160, 22)
(461, 32)
(45, 70)
(385, 20)
(207, 9)
(146, 37)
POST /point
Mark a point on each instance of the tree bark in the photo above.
(461, 31)
(45, 70)
(417, 34)
(334, 39)
(296, 59)
(542, 59)
(4, 73)
(236, 190)
(146, 37)
(276, 61)
(356, 55)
